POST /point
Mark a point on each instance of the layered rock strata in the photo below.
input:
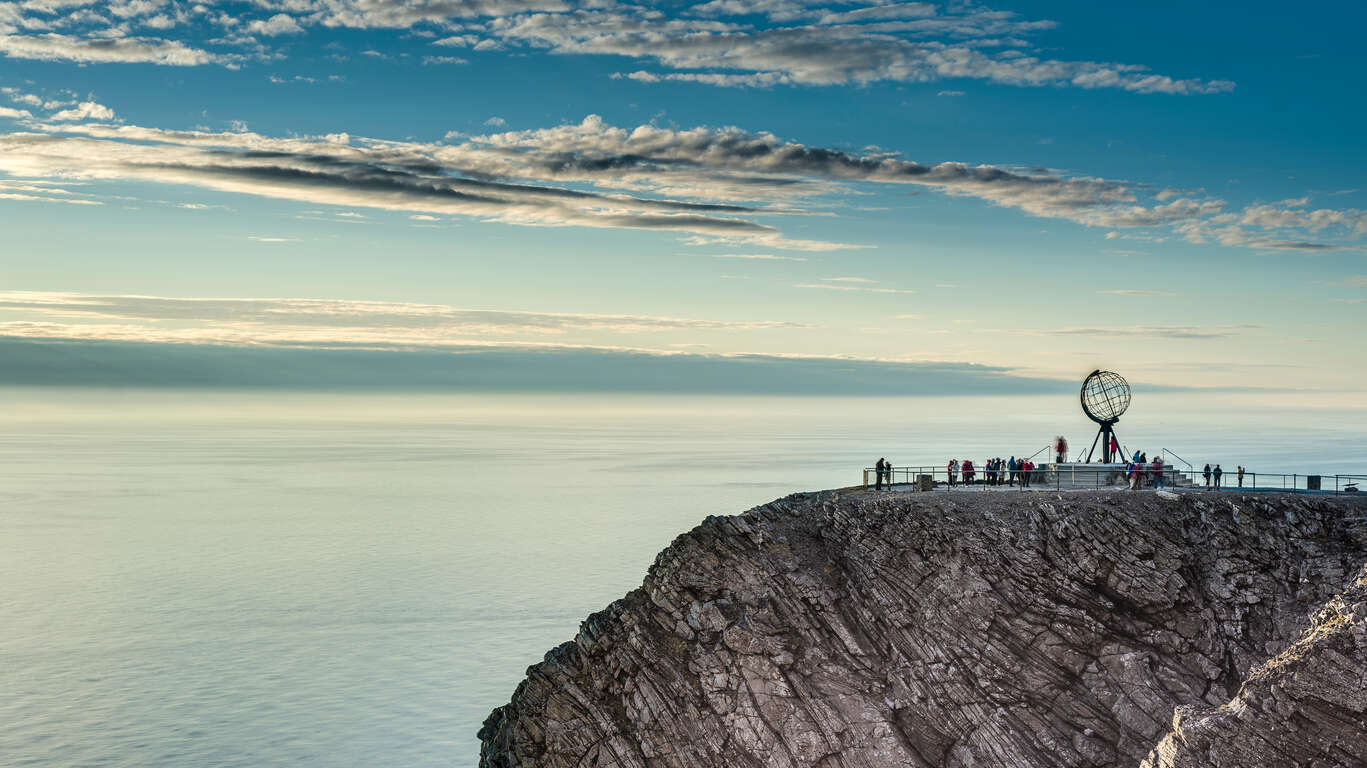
(956, 631)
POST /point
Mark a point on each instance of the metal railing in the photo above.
(1165, 452)
(1081, 477)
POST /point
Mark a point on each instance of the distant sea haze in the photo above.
(486, 369)
(238, 579)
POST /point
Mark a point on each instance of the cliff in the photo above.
(957, 631)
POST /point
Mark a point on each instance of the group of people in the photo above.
(882, 471)
(996, 471)
(1217, 475)
(1140, 469)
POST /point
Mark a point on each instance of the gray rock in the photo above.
(1092, 629)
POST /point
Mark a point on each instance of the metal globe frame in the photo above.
(1110, 398)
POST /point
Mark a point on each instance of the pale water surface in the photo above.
(238, 579)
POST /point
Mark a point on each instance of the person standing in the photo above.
(1241, 475)
(1218, 474)
(1206, 474)
(1011, 466)
(1157, 469)
(878, 476)
(953, 469)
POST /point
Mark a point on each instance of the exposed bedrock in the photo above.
(997, 629)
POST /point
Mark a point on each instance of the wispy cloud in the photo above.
(1140, 331)
(811, 46)
(317, 322)
(757, 257)
(522, 368)
(709, 185)
(58, 47)
(1135, 292)
(851, 288)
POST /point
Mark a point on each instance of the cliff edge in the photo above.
(955, 631)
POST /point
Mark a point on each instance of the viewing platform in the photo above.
(1115, 475)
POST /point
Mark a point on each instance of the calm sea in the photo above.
(230, 579)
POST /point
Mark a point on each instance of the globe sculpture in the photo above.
(1105, 396)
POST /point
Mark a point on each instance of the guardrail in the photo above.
(1073, 476)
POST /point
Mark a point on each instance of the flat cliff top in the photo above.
(891, 629)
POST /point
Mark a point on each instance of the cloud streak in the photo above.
(76, 363)
(862, 46)
(315, 322)
(707, 185)
(727, 43)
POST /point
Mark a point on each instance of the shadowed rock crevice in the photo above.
(846, 630)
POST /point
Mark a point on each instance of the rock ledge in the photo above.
(1014, 630)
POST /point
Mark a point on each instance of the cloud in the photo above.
(279, 24)
(497, 122)
(1182, 332)
(385, 176)
(57, 47)
(60, 361)
(15, 114)
(86, 110)
(1135, 292)
(950, 93)
(756, 257)
(34, 191)
(1283, 226)
(315, 322)
(709, 186)
(851, 288)
(401, 14)
(884, 43)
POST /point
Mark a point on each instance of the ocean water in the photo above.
(263, 579)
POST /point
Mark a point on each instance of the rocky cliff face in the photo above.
(956, 631)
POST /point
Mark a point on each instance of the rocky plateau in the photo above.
(952, 630)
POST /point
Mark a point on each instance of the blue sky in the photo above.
(1044, 188)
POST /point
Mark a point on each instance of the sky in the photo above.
(776, 195)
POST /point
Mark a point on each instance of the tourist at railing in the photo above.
(953, 470)
(878, 475)
(1241, 475)
(1218, 474)
(1156, 469)
(1206, 474)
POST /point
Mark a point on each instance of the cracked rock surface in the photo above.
(947, 630)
